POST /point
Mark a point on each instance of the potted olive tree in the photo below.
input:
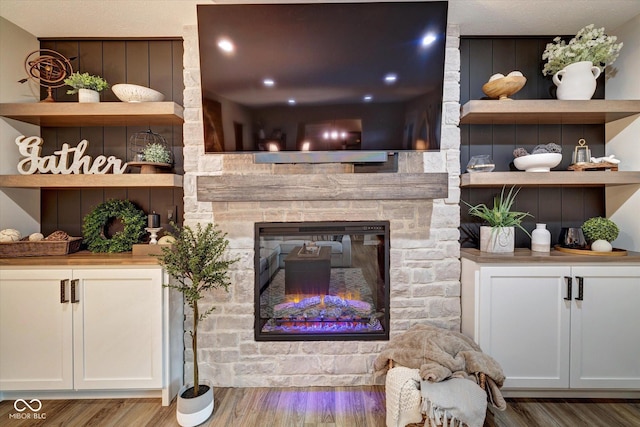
(198, 263)
(87, 86)
(499, 234)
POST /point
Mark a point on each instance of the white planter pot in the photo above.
(497, 239)
(88, 95)
(576, 81)
(194, 411)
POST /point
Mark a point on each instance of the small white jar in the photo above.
(541, 239)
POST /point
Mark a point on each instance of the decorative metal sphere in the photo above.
(48, 68)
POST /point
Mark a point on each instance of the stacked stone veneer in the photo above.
(424, 267)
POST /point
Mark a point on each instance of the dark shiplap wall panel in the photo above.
(503, 58)
(557, 207)
(69, 218)
(137, 65)
(160, 74)
(153, 63)
(177, 72)
(91, 59)
(114, 65)
(114, 193)
(95, 138)
(529, 65)
(49, 211)
(90, 198)
(480, 54)
(116, 141)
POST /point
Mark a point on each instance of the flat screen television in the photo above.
(322, 77)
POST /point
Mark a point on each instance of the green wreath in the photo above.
(94, 224)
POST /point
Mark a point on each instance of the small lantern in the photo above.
(581, 154)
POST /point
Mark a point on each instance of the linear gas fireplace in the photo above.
(322, 281)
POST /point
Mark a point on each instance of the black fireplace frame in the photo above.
(379, 228)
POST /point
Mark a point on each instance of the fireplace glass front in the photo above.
(322, 281)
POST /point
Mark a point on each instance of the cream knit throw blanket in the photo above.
(403, 397)
(455, 402)
(442, 354)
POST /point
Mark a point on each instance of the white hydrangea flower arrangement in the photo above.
(156, 153)
(589, 44)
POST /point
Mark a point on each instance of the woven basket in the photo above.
(24, 248)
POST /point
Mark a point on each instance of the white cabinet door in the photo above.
(605, 328)
(524, 323)
(118, 328)
(35, 330)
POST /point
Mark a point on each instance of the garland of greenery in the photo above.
(94, 224)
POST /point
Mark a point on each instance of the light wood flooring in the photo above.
(362, 406)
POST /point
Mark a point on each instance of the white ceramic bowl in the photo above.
(134, 93)
(542, 162)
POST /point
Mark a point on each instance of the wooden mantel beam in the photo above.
(346, 186)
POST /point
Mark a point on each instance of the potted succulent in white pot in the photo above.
(499, 235)
(87, 86)
(198, 263)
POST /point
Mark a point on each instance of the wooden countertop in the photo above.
(522, 256)
(82, 258)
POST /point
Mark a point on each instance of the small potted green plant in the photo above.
(156, 153)
(198, 263)
(499, 235)
(87, 86)
(599, 233)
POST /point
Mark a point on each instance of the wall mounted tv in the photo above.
(322, 77)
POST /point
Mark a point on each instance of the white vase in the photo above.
(541, 239)
(193, 411)
(576, 81)
(497, 239)
(88, 95)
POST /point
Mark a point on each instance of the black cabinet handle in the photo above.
(74, 300)
(580, 288)
(569, 292)
(63, 289)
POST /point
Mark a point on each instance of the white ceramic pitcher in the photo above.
(576, 81)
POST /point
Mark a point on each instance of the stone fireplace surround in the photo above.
(424, 252)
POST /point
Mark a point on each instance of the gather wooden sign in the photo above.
(66, 161)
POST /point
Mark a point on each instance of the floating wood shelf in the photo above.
(72, 114)
(91, 181)
(552, 111)
(343, 186)
(564, 178)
